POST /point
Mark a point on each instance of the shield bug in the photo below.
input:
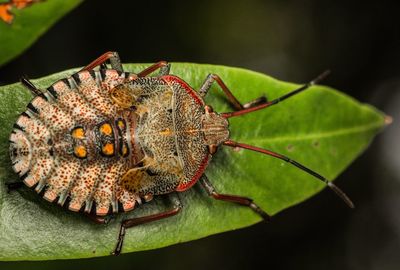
(104, 140)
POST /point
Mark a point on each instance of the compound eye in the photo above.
(122, 96)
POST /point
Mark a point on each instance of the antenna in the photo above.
(275, 101)
(332, 186)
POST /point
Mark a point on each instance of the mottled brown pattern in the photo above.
(96, 96)
(190, 141)
(101, 138)
(42, 146)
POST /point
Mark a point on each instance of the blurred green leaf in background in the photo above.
(321, 128)
(29, 24)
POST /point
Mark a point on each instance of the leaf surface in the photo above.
(321, 128)
(29, 24)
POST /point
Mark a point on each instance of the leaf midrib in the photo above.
(320, 135)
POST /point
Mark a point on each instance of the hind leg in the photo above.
(129, 223)
(112, 57)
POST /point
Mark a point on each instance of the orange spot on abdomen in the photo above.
(108, 149)
(106, 129)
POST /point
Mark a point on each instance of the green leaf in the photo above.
(29, 24)
(321, 128)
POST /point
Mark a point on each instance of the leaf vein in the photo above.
(320, 135)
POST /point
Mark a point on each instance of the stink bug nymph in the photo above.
(104, 140)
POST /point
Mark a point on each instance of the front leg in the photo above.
(211, 78)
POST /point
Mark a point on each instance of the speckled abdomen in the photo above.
(73, 143)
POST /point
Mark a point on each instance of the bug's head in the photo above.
(215, 128)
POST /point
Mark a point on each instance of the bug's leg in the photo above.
(128, 223)
(30, 86)
(164, 67)
(211, 78)
(14, 186)
(205, 183)
(112, 57)
(255, 102)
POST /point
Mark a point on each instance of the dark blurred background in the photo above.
(290, 40)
